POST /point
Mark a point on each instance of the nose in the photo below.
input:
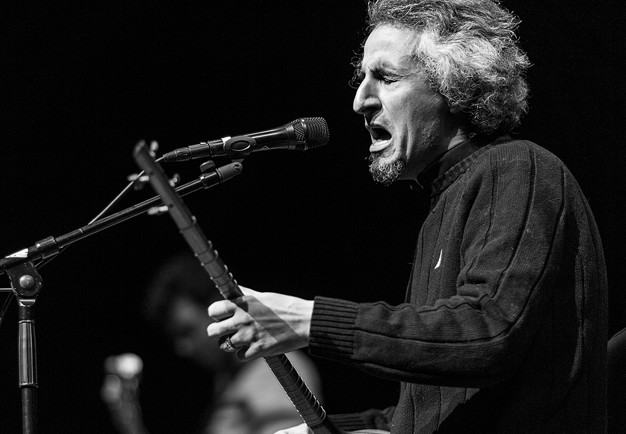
(366, 99)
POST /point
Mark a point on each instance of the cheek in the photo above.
(423, 103)
(426, 112)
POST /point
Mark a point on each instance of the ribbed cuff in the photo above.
(350, 422)
(332, 328)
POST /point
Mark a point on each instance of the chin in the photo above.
(386, 170)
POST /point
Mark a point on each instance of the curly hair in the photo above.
(469, 52)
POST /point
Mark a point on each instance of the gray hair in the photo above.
(468, 49)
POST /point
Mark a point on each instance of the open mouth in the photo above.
(379, 133)
(380, 138)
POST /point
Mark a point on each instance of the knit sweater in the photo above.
(504, 324)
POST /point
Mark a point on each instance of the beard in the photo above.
(386, 172)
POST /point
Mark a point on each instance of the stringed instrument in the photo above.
(307, 405)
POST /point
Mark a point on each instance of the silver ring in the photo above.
(228, 345)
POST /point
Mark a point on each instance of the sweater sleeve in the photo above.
(370, 419)
(488, 264)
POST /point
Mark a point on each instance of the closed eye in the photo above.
(377, 74)
(385, 77)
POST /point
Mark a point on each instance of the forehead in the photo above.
(390, 45)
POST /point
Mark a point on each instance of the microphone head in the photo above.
(312, 131)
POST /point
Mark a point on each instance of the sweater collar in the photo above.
(439, 174)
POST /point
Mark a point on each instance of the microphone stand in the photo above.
(26, 282)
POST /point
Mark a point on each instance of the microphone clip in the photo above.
(239, 147)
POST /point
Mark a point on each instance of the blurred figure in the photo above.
(120, 392)
(246, 398)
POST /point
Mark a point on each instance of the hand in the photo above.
(262, 323)
(300, 429)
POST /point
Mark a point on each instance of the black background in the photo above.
(82, 82)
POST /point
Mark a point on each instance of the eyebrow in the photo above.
(380, 64)
(404, 68)
(389, 69)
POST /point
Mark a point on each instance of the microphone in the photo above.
(301, 134)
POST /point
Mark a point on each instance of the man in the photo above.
(504, 324)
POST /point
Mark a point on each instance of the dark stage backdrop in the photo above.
(82, 82)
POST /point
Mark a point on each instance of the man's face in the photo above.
(409, 123)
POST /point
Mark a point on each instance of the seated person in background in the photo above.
(246, 397)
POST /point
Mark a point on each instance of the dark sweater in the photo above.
(504, 325)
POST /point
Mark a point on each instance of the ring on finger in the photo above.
(228, 346)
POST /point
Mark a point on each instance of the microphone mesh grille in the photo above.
(313, 131)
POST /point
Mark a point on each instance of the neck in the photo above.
(459, 137)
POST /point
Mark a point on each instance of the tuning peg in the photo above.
(158, 210)
(138, 181)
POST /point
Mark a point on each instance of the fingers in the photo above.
(221, 328)
(230, 343)
(261, 323)
(222, 312)
(222, 309)
(229, 325)
(227, 345)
